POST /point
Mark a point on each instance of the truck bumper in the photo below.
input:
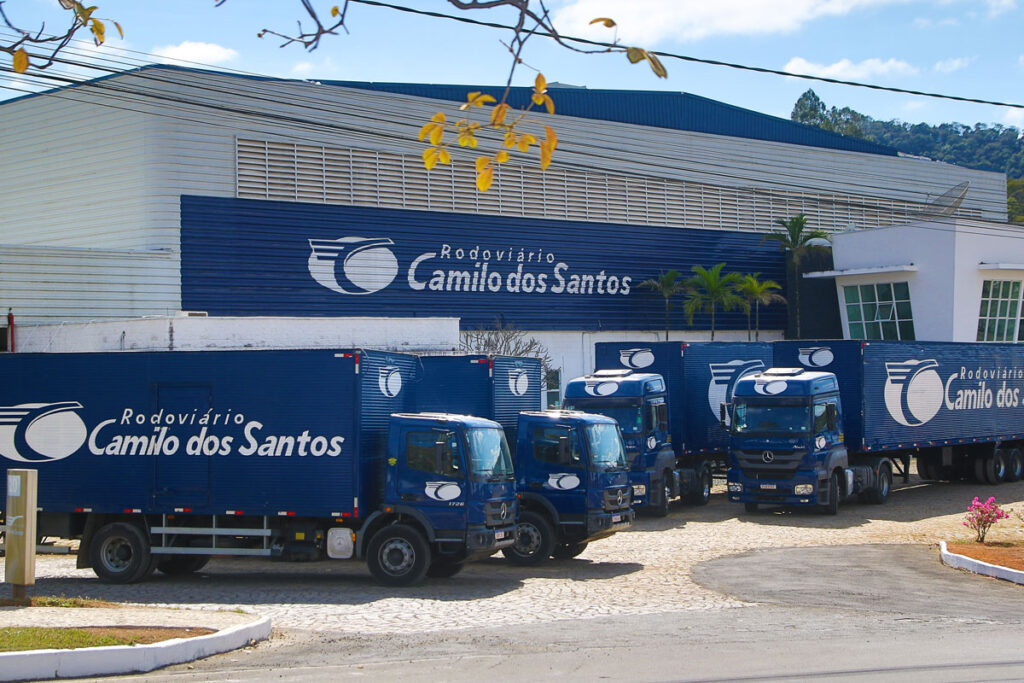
(799, 489)
(601, 524)
(483, 541)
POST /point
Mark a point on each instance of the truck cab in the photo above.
(638, 402)
(573, 484)
(453, 475)
(786, 440)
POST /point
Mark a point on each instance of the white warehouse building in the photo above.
(294, 213)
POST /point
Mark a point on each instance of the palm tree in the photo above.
(796, 242)
(668, 285)
(756, 292)
(706, 290)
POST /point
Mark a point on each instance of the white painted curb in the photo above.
(979, 567)
(123, 659)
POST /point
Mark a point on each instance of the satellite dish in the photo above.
(948, 202)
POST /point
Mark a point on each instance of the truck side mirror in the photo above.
(723, 413)
(830, 416)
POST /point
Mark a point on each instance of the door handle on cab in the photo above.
(409, 497)
(536, 485)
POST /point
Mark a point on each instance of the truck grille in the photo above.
(495, 518)
(769, 462)
(618, 499)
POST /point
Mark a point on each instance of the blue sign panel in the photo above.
(251, 257)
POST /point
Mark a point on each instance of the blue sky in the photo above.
(969, 48)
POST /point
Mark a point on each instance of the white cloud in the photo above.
(189, 52)
(948, 66)
(926, 23)
(1014, 117)
(646, 22)
(1020, 60)
(997, 7)
(851, 71)
(302, 68)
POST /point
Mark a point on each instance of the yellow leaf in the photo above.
(444, 157)
(425, 130)
(482, 163)
(335, 11)
(119, 29)
(502, 156)
(540, 84)
(537, 98)
(20, 60)
(439, 117)
(436, 135)
(549, 104)
(635, 54)
(430, 156)
(525, 140)
(484, 179)
(656, 66)
(498, 114)
(552, 139)
(510, 140)
(608, 23)
(467, 139)
(545, 157)
(99, 31)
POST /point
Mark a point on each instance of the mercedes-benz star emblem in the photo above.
(504, 510)
(768, 457)
(618, 499)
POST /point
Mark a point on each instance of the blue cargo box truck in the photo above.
(870, 408)
(667, 397)
(571, 475)
(161, 460)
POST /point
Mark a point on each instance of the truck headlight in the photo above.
(639, 490)
(735, 487)
(803, 489)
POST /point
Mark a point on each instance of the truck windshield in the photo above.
(750, 418)
(489, 456)
(629, 415)
(606, 449)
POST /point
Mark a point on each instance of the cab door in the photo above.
(558, 470)
(433, 478)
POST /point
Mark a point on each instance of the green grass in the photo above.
(54, 601)
(34, 638)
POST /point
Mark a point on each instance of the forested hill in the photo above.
(988, 148)
(984, 147)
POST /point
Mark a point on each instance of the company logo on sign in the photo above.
(769, 387)
(41, 432)
(816, 356)
(353, 265)
(636, 358)
(564, 481)
(518, 381)
(600, 387)
(723, 381)
(913, 391)
(442, 491)
(389, 379)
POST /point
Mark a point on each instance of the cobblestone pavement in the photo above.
(645, 570)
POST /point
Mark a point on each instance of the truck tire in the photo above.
(989, 469)
(999, 466)
(567, 551)
(661, 507)
(925, 469)
(398, 555)
(705, 481)
(443, 569)
(750, 507)
(879, 493)
(181, 565)
(1014, 464)
(831, 508)
(119, 553)
(535, 540)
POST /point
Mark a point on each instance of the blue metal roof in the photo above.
(658, 109)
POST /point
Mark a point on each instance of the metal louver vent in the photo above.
(312, 173)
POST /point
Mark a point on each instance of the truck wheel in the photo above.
(535, 540)
(181, 565)
(398, 555)
(119, 553)
(703, 493)
(925, 470)
(998, 467)
(661, 508)
(567, 551)
(883, 486)
(443, 569)
(832, 506)
(1014, 464)
(989, 468)
(750, 507)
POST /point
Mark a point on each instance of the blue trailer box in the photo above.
(297, 449)
(699, 377)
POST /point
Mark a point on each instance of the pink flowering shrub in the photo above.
(981, 516)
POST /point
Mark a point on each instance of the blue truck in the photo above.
(666, 397)
(839, 418)
(158, 461)
(571, 474)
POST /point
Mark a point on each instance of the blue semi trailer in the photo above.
(571, 473)
(666, 398)
(838, 418)
(162, 460)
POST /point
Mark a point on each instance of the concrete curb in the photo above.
(124, 659)
(979, 567)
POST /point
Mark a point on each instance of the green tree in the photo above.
(1015, 200)
(707, 290)
(667, 285)
(798, 241)
(755, 293)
